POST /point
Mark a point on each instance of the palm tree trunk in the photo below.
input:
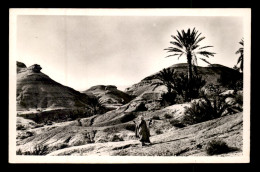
(189, 67)
(189, 74)
(242, 65)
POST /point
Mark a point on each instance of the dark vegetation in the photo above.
(177, 123)
(179, 87)
(216, 147)
(37, 150)
(209, 107)
(158, 131)
(167, 116)
(232, 82)
(155, 117)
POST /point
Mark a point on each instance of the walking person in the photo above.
(143, 132)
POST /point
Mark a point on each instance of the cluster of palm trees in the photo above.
(187, 43)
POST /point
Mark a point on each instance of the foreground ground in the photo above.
(188, 141)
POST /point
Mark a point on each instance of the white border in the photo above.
(13, 13)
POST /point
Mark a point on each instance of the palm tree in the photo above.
(166, 77)
(241, 52)
(186, 43)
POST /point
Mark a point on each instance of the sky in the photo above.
(83, 51)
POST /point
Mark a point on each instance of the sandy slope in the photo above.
(188, 141)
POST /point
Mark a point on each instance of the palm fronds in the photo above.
(187, 42)
(241, 52)
(206, 53)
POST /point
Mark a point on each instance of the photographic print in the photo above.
(129, 85)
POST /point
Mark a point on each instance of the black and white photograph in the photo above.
(129, 85)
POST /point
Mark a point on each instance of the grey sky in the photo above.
(83, 51)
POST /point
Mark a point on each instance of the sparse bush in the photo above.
(130, 127)
(37, 150)
(20, 127)
(216, 147)
(168, 98)
(238, 99)
(116, 138)
(156, 117)
(237, 105)
(205, 109)
(90, 136)
(158, 131)
(40, 150)
(167, 116)
(177, 123)
(63, 145)
(111, 130)
(233, 82)
(19, 152)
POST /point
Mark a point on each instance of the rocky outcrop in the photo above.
(109, 96)
(20, 67)
(35, 68)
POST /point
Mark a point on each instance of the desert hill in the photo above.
(109, 96)
(38, 92)
(211, 74)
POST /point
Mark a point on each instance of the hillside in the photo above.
(109, 96)
(38, 92)
(211, 74)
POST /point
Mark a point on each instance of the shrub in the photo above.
(116, 138)
(177, 123)
(19, 152)
(40, 150)
(158, 131)
(37, 150)
(238, 99)
(234, 82)
(216, 147)
(63, 145)
(237, 105)
(130, 127)
(205, 109)
(169, 98)
(20, 127)
(156, 117)
(167, 116)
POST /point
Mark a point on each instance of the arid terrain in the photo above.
(59, 120)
